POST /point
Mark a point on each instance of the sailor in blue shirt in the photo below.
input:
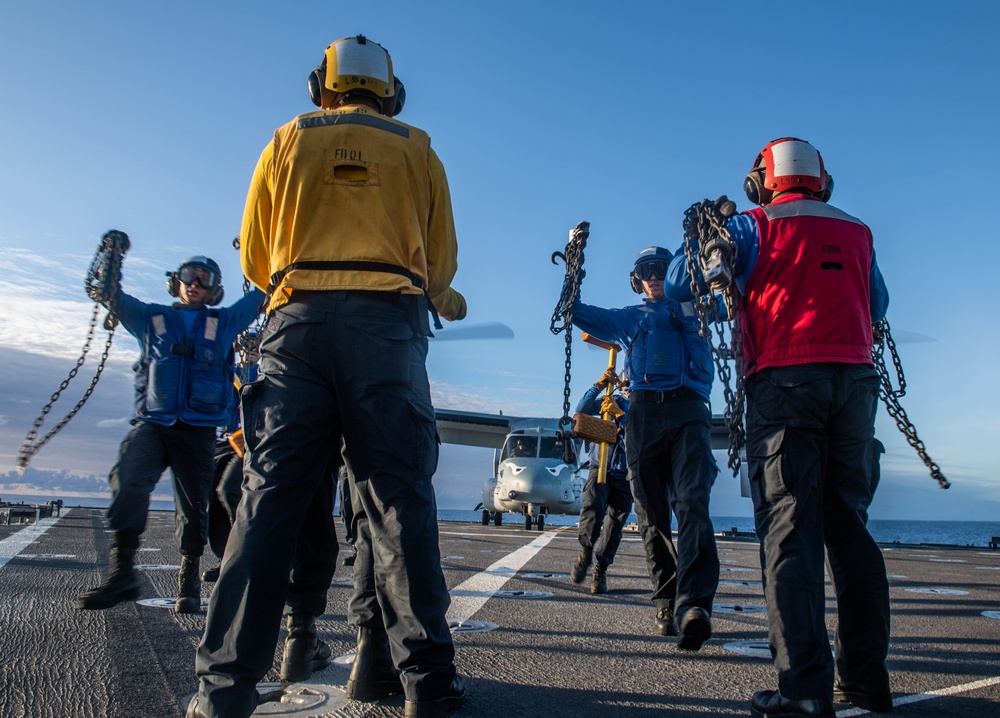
(605, 506)
(668, 444)
(183, 391)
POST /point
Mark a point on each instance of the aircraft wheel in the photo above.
(498, 518)
(486, 518)
(527, 522)
(541, 522)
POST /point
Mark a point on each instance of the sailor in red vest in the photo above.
(810, 290)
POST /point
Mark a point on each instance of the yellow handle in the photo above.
(602, 471)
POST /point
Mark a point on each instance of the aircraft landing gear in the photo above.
(486, 518)
(541, 522)
(527, 522)
(498, 518)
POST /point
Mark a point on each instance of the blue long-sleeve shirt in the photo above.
(663, 349)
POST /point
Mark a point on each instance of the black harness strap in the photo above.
(363, 266)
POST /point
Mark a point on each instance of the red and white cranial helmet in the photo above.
(787, 164)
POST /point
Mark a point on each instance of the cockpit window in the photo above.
(552, 448)
(520, 446)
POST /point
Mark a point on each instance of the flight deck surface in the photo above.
(528, 641)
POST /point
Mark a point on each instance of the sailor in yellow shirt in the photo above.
(348, 226)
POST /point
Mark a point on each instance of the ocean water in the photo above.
(949, 533)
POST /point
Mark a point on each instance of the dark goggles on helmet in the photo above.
(203, 275)
(653, 268)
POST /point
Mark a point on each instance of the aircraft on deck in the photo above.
(531, 476)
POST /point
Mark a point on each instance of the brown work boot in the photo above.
(600, 581)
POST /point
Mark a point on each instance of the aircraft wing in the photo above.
(473, 429)
(489, 430)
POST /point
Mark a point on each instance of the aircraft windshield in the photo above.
(520, 446)
(552, 448)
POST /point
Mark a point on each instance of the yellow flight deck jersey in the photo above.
(351, 185)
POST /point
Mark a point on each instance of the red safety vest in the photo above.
(807, 298)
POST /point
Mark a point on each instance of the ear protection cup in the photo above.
(754, 187)
(399, 95)
(635, 283)
(829, 189)
(315, 85)
(173, 284)
(217, 296)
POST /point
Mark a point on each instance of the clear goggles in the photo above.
(191, 273)
(652, 268)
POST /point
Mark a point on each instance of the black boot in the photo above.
(579, 570)
(304, 653)
(121, 584)
(600, 582)
(188, 585)
(373, 676)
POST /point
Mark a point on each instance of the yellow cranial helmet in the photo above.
(357, 63)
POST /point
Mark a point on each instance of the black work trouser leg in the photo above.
(316, 551)
(594, 500)
(191, 453)
(692, 475)
(809, 450)
(619, 506)
(648, 474)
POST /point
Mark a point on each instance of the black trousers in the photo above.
(671, 468)
(605, 510)
(810, 456)
(334, 364)
(145, 452)
(225, 498)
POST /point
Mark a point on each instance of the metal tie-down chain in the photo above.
(573, 259)
(102, 282)
(890, 397)
(710, 252)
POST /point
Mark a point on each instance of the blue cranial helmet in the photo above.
(650, 261)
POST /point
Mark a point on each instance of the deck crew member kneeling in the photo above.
(348, 223)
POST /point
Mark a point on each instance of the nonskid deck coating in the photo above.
(556, 650)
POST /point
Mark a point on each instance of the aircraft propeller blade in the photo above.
(487, 330)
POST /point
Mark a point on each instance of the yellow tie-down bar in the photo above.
(606, 413)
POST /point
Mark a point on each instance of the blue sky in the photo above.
(149, 118)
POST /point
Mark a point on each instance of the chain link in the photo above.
(704, 227)
(101, 284)
(573, 257)
(890, 397)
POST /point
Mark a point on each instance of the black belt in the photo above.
(646, 396)
(362, 266)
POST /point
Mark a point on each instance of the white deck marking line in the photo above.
(481, 587)
(918, 697)
(17, 542)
